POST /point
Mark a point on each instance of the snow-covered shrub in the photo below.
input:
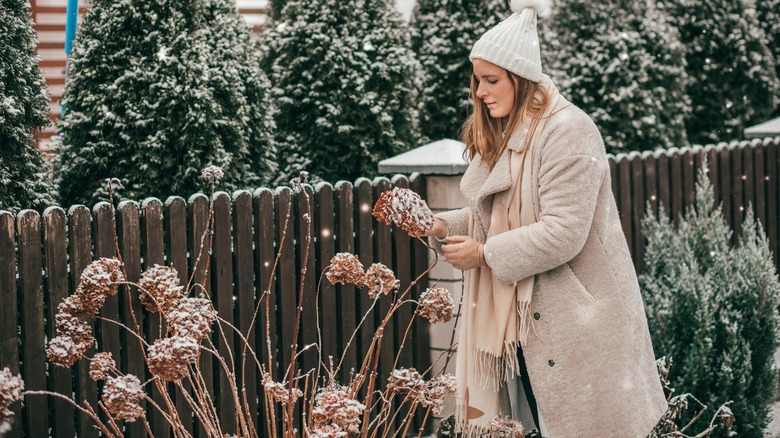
(734, 83)
(346, 85)
(443, 32)
(622, 64)
(768, 12)
(158, 90)
(23, 108)
(713, 307)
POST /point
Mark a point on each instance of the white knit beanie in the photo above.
(514, 44)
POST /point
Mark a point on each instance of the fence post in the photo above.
(443, 165)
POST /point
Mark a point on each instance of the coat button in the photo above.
(551, 362)
(537, 316)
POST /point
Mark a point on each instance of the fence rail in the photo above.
(42, 257)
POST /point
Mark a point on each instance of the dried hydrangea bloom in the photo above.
(99, 279)
(11, 389)
(334, 406)
(160, 289)
(192, 318)
(345, 268)
(436, 305)
(327, 431)
(64, 350)
(212, 173)
(407, 382)
(168, 358)
(279, 392)
(436, 390)
(404, 208)
(122, 396)
(101, 365)
(505, 427)
(380, 280)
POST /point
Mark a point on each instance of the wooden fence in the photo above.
(744, 175)
(41, 259)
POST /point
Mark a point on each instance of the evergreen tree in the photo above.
(443, 32)
(713, 308)
(157, 91)
(768, 17)
(734, 83)
(346, 86)
(23, 108)
(622, 63)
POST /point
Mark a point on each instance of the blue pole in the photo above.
(72, 16)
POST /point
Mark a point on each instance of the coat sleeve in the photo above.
(457, 222)
(573, 166)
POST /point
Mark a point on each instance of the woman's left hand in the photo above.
(463, 252)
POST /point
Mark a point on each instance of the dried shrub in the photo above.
(122, 396)
(11, 389)
(169, 358)
(405, 209)
(345, 268)
(333, 406)
(160, 289)
(380, 280)
(100, 367)
(436, 305)
(192, 318)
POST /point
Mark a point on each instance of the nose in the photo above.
(481, 93)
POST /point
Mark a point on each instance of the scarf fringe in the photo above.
(490, 370)
(468, 429)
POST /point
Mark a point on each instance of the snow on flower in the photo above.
(279, 392)
(99, 279)
(192, 317)
(168, 358)
(345, 268)
(404, 208)
(334, 406)
(11, 388)
(212, 173)
(380, 280)
(436, 390)
(160, 289)
(64, 351)
(101, 366)
(436, 305)
(406, 382)
(122, 396)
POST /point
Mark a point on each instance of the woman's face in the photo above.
(495, 88)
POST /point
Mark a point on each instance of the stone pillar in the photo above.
(443, 165)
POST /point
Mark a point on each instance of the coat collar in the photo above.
(479, 182)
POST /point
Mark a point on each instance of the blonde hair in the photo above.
(483, 133)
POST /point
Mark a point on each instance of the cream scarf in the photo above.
(497, 317)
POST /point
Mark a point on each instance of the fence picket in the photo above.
(772, 213)
(324, 227)
(638, 202)
(243, 263)
(28, 224)
(130, 309)
(383, 253)
(305, 239)
(175, 232)
(287, 275)
(56, 282)
(80, 252)
(738, 190)
(346, 293)
(153, 253)
(364, 246)
(9, 344)
(222, 296)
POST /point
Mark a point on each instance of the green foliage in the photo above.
(734, 81)
(23, 108)
(157, 91)
(713, 307)
(346, 85)
(768, 17)
(443, 32)
(623, 64)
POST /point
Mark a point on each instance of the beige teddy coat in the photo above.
(590, 361)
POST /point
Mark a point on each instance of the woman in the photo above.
(553, 330)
